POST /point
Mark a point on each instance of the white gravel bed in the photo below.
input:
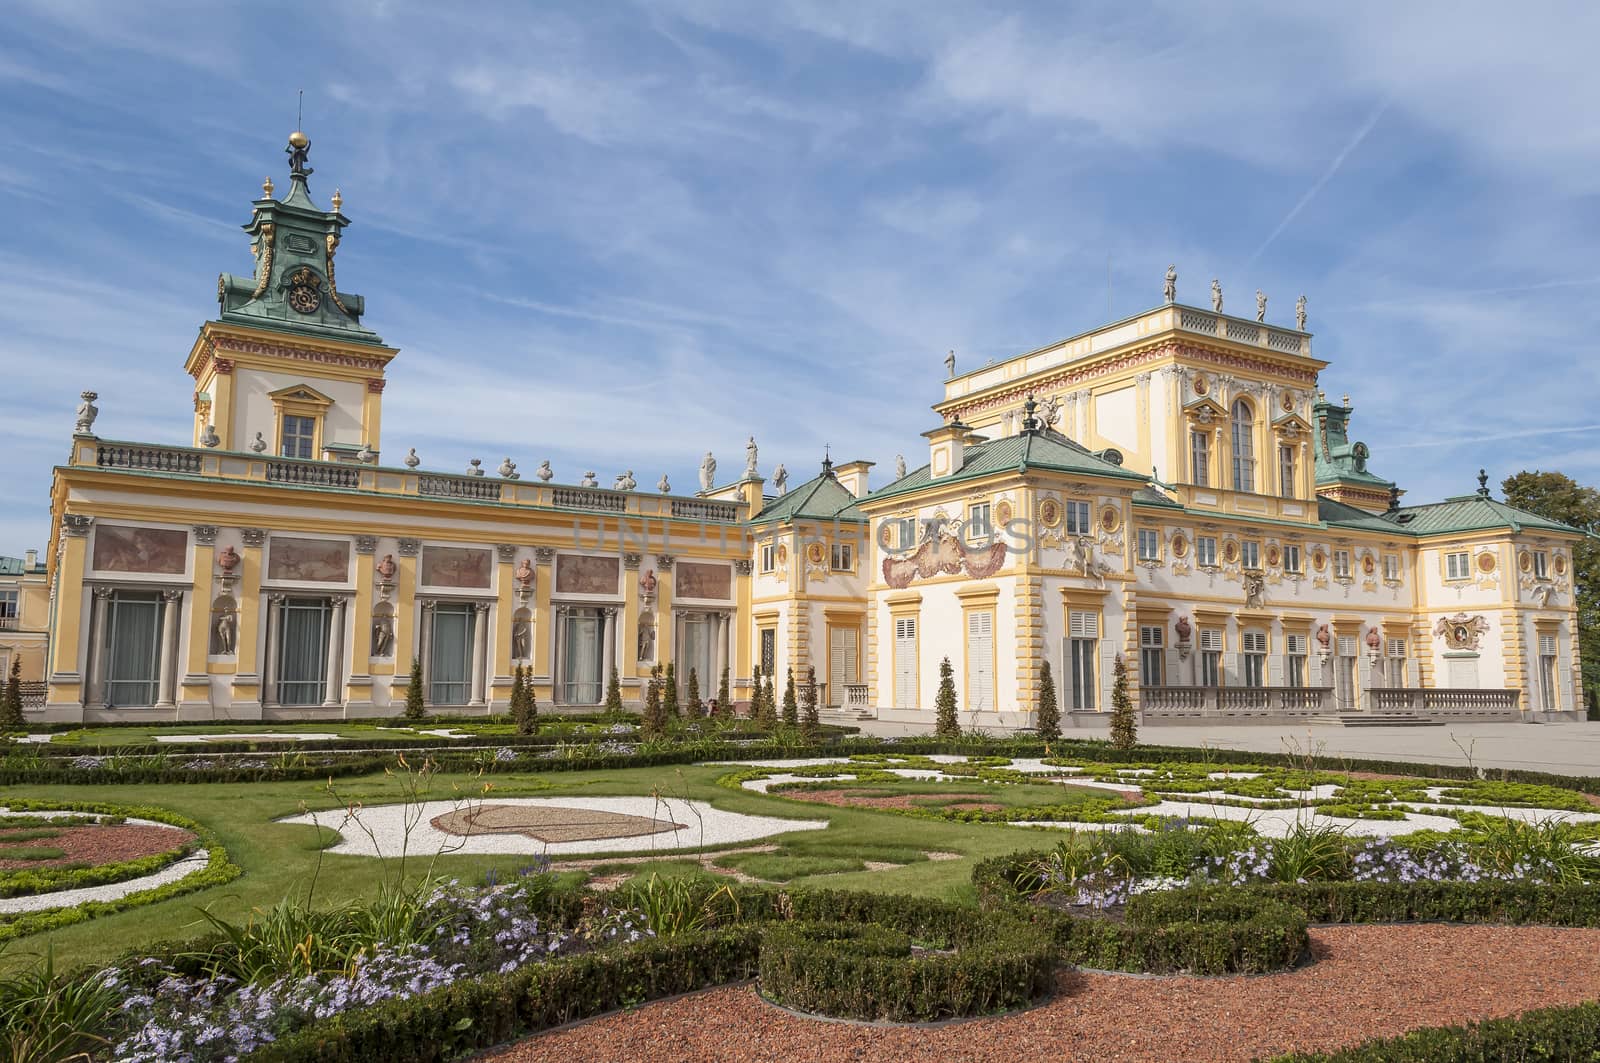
(34, 740)
(112, 891)
(276, 736)
(42, 813)
(802, 762)
(761, 786)
(382, 828)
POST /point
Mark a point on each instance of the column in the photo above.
(608, 637)
(407, 640)
(480, 649)
(269, 683)
(99, 604)
(66, 696)
(333, 677)
(543, 618)
(558, 644)
(425, 647)
(505, 621)
(630, 616)
(360, 682)
(719, 656)
(666, 634)
(248, 695)
(166, 685)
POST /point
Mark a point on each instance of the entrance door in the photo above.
(303, 653)
(1344, 675)
(450, 670)
(582, 674)
(905, 662)
(133, 649)
(842, 662)
(698, 633)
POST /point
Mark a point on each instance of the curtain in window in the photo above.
(583, 676)
(697, 635)
(303, 653)
(133, 649)
(450, 669)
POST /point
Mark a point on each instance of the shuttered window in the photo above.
(1254, 662)
(905, 662)
(1210, 656)
(843, 662)
(980, 661)
(1549, 691)
(1294, 660)
(1152, 663)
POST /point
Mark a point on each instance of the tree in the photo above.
(524, 709)
(416, 706)
(946, 725)
(769, 703)
(11, 700)
(1049, 715)
(810, 722)
(654, 719)
(724, 698)
(1124, 720)
(669, 694)
(614, 691)
(755, 693)
(791, 707)
(1559, 497)
(697, 708)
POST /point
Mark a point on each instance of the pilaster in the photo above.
(666, 627)
(505, 611)
(358, 689)
(65, 698)
(194, 699)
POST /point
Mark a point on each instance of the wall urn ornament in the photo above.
(589, 480)
(87, 412)
(1461, 632)
(475, 467)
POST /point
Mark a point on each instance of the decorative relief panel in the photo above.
(467, 568)
(582, 574)
(693, 579)
(152, 551)
(308, 560)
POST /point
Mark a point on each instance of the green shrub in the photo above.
(416, 701)
(946, 725)
(669, 694)
(791, 704)
(47, 1017)
(614, 690)
(724, 697)
(11, 698)
(1048, 717)
(810, 721)
(1552, 1035)
(1124, 720)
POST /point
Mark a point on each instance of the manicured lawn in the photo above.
(281, 860)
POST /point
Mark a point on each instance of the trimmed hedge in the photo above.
(866, 971)
(1550, 1035)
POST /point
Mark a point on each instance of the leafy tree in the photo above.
(791, 707)
(1124, 721)
(614, 691)
(11, 700)
(946, 724)
(697, 708)
(1559, 497)
(416, 706)
(654, 718)
(724, 698)
(669, 694)
(1049, 715)
(810, 721)
(755, 693)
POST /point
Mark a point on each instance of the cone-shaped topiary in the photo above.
(791, 705)
(416, 706)
(810, 722)
(695, 706)
(514, 706)
(755, 693)
(11, 699)
(1124, 720)
(614, 691)
(945, 723)
(724, 697)
(1049, 714)
(653, 722)
(669, 694)
(524, 709)
(769, 703)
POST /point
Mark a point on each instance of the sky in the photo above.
(617, 235)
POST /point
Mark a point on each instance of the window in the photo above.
(450, 667)
(303, 650)
(1286, 471)
(1083, 635)
(1250, 554)
(1541, 561)
(1152, 662)
(978, 529)
(1205, 551)
(1210, 657)
(905, 662)
(769, 557)
(980, 661)
(769, 650)
(8, 612)
(1341, 564)
(132, 648)
(1294, 660)
(1396, 662)
(844, 557)
(299, 436)
(1078, 520)
(1455, 565)
(844, 661)
(1254, 658)
(1244, 456)
(583, 671)
(1391, 568)
(1291, 557)
(1547, 671)
(1149, 544)
(1200, 459)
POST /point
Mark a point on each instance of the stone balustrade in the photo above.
(1445, 702)
(1236, 701)
(855, 696)
(347, 476)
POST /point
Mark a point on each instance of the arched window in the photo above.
(1244, 454)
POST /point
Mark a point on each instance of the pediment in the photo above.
(300, 393)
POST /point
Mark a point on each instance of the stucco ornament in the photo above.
(544, 472)
(664, 485)
(780, 478)
(943, 554)
(708, 471)
(1461, 632)
(411, 459)
(260, 444)
(899, 466)
(1171, 289)
(1216, 295)
(1300, 313)
(1255, 592)
(87, 412)
(228, 559)
(750, 457)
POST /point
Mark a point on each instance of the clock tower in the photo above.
(287, 368)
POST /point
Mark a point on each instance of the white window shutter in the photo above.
(980, 661)
(1107, 676)
(1275, 671)
(1411, 674)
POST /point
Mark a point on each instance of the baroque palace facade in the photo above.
(1171, 489)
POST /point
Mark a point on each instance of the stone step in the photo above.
(1378, 719)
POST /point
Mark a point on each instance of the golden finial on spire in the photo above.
(1347, 398)
(338, 201)
(266, 188)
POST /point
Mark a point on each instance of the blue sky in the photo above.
(618, 235)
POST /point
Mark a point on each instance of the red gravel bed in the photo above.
(96, 845)
(1367, 981)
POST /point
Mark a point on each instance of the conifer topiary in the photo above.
(669, 694)
(614, 691)
(724, 696)
(524, 709)
(696, 707)
(1124, 720)
(1049, 714)
(653, 722)
(769, 703)
(791, 705)
(11, 699)
(810, 721)
(755, 693)
(416, 706)
(946, 725)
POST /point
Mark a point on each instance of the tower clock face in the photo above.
(304, 298)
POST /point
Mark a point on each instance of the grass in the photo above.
(38, 852)
(25, 834)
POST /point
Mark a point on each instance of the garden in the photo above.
(600, 888)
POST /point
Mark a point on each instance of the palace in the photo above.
(1171, 491)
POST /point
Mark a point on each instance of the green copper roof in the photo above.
(1476, 512)
(1337, 458)
(1339, 515)
(821, 498)
(1040, 449)
(293, 287)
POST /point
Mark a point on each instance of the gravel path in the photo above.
(38, 902)
(1368, 981)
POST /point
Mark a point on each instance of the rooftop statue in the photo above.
(780, 478)
(899, 466)
(750, 453)
(87, 412)
(1216, 295)
(1171, 289)
(708, 471)
(1261, 305)
(1300, 313)
(544, 472)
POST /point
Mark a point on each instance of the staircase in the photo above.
(1377, 719)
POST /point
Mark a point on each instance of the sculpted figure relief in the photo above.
(225, 633)
(1255, 592)
(383, 636)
